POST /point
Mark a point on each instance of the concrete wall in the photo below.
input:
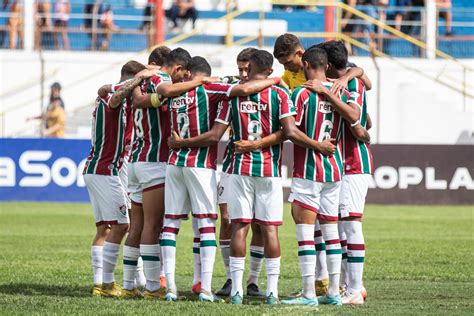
(412, 108)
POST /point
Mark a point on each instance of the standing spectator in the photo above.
(182, 9)
(92, 20)
(401, 15)
(43, 35)
(3, 32)
(147, 24)
(55, 119)
(56, 94)
(62, 9)
(15, 25)
(107, 24)
(444, 9)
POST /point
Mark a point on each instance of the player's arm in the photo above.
(253, 86)
(128, 87)
(342, 82)
(245, 146)
(207, 139)
(104, 90)
(369, 122)
(175, 89)
(360, 132)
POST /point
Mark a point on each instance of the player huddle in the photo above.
(153, 162)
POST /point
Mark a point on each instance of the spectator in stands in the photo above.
(3, 32)
(15, 25)
(62, 9)
(182, 9)
(43, 25)
(55, 119)
(401, 15)
(147, 24)
(93, 12)
(56, 93)
(107, 24)
(444, 9)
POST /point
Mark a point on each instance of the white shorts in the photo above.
(123, 174)
(319, 197)
(221, 189)
(145, 176)
(108, 198)
(190, 190)
(255, 198)
(353, 192)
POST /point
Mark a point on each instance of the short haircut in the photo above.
(316, 57)
(285, 45)
(131, 68)
(262, 59)
(337, 53)
(199, 64)
(178, 56)
(244, 55)
(158, 55)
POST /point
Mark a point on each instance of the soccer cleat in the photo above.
(321, 287)
(171, 297)
(301, 300)
(363, 292)
(209, 297)
(236, 299)
(271, 300)
(163, 281)
(96, 290)
(196, 288)
(160, 293)
(296, 294)
(327, 300)
(352, 298)
(252, 290)
(131, 294)
(110, 290)
(226, 288)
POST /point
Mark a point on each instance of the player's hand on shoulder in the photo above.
(315, 86)
(207, 80)
(338, 85)
(146, 73)
(174, 140)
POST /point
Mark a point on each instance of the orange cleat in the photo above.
(196, 289)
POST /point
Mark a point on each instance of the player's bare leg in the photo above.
(256, 259)
(225, 235)
(272, 261)
(96, 253)
(304, 220)
(237, 259)
(153, 212)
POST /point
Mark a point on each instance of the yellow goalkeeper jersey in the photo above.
(294, 79)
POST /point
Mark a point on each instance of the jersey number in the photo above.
(325, 130)
(254, 130)
(138, 122)
(183, 124)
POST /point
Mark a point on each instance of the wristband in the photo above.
(355, 123)
(155, 100)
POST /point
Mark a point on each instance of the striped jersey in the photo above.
(357, 154)
(317, 118)
(152, 126)
(108, 130)
(129, 129)
(192, 114)
(254, 117)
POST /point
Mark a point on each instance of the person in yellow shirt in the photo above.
(55, 120)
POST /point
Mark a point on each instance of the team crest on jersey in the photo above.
(123, 210)
(325, 107)
(180, 102)
(250, 107)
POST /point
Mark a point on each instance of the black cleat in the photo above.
(252, 290)
(226, 288)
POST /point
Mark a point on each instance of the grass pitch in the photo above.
(418, 260)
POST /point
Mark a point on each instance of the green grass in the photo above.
(419, 260)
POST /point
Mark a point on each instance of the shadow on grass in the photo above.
(46, 290)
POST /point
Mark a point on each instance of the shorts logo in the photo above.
(123, 210)
(325, 107)
(250, 107)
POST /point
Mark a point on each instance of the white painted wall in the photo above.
(413, 109)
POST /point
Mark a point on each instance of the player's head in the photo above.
(199, 67)
(337, 56)
(176, 64)
(260, 64)
(243, 60)
(130, 69)
(314, 59)
(158, 55)
(288, 51)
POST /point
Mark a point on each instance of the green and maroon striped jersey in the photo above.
(192, 114)
(357, 154)
(254, 117)
(318, 119)
(108, 132)
(152, 126)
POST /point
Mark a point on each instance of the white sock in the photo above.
(208, 246)
(306, 257)
(321, 271)
(256, 260)
(96, 254)
(343, 240)
(196, 252)
(224, 245)
(110, 254)
(272, 266)
(355, 255)
(168, 246)
(237, 266)
(162, 264)
(333, 257)
(151, 265)
(140, 275)
(130, 262)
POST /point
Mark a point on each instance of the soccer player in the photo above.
(256, 243)
(255, 180)
(101, 175)
(316, 177)
(358, 168)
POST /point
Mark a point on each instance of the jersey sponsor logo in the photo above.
(325, 107)
(250, 107)
(180, 102)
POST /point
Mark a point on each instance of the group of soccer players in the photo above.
(153, 161)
